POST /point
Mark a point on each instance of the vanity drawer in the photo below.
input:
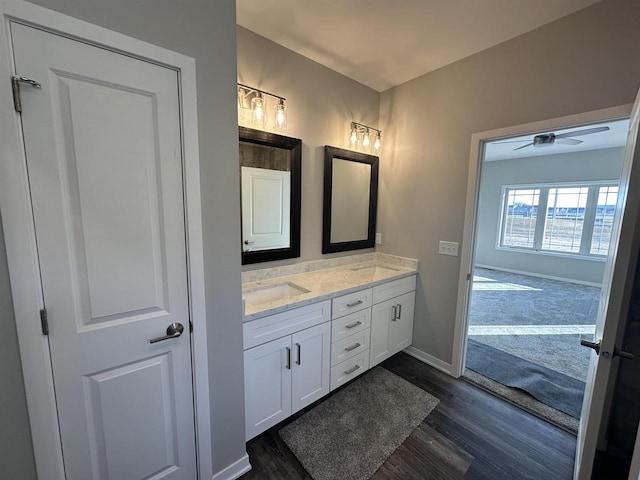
(393, 289)
(350, 324)
(350, 346)
(262, 330)
(349, 369)
(350, 303)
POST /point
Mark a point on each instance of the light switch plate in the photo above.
(448, 248)
(378, 239)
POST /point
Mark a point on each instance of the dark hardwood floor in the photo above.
(471, 434)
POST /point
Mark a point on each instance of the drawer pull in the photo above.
(288, 358)
(299, 360)
(394, 312)
(353, 304)
(352, 347)
(354, 324)
(352, 369)
(399, 311)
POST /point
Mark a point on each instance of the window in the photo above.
(603, 224)
(520, 218)
(578, 218)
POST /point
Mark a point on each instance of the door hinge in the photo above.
(44, 321)
(15, 87)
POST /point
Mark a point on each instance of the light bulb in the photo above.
(281, 115)
(354, 136)
(240, 105)
(259, 110)
(376, 143)
(365, 140)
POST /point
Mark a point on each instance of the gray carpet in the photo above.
(508, 299)
(552, 388)
(351, 434)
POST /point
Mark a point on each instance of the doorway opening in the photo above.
(546, 203)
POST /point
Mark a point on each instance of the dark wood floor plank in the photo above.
(471, 434)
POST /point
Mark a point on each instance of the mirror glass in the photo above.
(270, 195)
(350, 200)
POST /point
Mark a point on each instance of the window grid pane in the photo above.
(520, 217)
(605, 211)
(565, 219)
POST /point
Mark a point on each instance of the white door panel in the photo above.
(266, 198)
(310, 365)
(102, 141)
(616, 285)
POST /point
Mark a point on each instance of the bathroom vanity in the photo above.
(312, 327)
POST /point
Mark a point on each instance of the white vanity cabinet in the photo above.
(350, 336)
(392, 318)
(286, 364)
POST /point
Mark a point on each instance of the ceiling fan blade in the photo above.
(509, 141)
(568, 141)
(523, 146)
(587, 131)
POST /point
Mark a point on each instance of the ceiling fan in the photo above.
(547, 139)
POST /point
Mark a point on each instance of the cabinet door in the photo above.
(310, 365)
(381, 335)
(402, 327)
(267, 385)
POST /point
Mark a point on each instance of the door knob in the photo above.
(173, 331)
(594, 345)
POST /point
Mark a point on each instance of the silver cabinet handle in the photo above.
(353, 304)
(354, 324)
(299, 354)
(288, 358)
(173, 331)
(352, 369)
(394, 311)
(352, 347)
(399, 311)
(247, 242)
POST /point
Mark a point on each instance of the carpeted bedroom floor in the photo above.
(538, 320)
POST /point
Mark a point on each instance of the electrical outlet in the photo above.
(378, 238)
(448, 248)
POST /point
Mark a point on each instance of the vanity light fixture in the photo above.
(258, 105)
(360, 138)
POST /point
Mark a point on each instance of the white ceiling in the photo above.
(382, 43)
(615, 137)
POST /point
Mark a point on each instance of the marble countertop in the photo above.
(323, 284)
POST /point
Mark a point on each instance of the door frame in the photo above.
(19, 230)
(467, 255)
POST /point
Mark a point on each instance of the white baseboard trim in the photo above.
(540, 275)
(235, 470)
(428, 359)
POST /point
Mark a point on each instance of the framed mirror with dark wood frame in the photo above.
(270, 173)
(350, 200)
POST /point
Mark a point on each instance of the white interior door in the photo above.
(266, 202)
(616, 285)
(103, 148)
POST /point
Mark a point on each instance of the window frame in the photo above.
(588, 225)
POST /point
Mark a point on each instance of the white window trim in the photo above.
(588, 222)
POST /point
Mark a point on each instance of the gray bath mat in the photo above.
(351, 434)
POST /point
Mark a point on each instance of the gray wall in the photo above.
(205, 31)
(569, 167)
(585, 61)
(321, 103)
(16, 460)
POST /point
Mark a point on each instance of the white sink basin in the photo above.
(273, 293)
(374, 270)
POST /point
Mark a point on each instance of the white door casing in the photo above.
(102, 142)
(617, 284)
(23, 261)
(266, 196)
